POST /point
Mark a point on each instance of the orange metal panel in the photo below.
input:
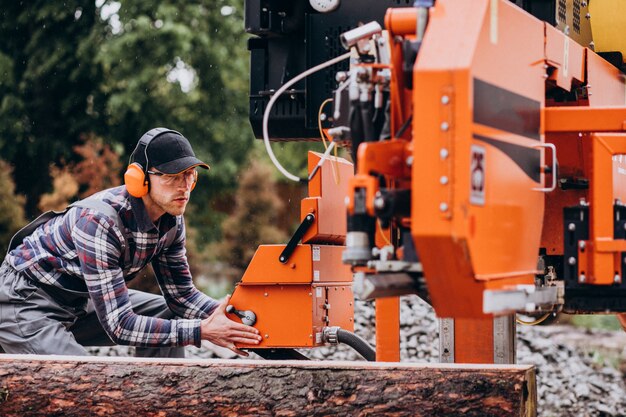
(401, 21)
(308, 263)
(284, 313)
(341, 306)
(585, 119)
(489, 245)
(604, 147)
(473, 340)
(327, 192)
(388, 329)
(605, 82)
(294, 315)
(566, 56)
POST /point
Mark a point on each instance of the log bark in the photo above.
(71, 386)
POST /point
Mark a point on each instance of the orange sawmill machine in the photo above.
(487, 140)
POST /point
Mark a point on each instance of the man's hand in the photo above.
(219, 329)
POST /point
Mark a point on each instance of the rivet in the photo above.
(265, 294)
(571, 227)
(267, 336)
(582, 245)
(443, 153)
(445, 126)
(443, 180)
(445, 99)
(571, 260)
(409, 161)
(616, 279)
(443, 207)
(582, 278)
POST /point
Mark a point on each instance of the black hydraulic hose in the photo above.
(357, 343)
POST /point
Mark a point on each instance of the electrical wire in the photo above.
(534, 322)
(382, 232)
(266, 114)
(335, 166)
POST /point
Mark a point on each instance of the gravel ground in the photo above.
(577, 370)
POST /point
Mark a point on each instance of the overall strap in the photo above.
(89, 203)
(18, 237)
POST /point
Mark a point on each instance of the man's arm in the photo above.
(174, 277)
(172, 271)
(99, 247)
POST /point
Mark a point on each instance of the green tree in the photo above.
(182, 65)
(48, 86)
(115, 69)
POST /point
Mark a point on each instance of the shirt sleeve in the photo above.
(99, 248)
(172, 272)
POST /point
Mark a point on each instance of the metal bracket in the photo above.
(526, 298)
(446, 340)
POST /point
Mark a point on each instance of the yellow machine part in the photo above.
(608, 21)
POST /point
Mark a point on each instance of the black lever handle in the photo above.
(297, 236)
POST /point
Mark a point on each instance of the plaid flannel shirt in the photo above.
(83, 251)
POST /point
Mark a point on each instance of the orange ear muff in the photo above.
(135, 180)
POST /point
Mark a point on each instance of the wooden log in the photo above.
(72, 386)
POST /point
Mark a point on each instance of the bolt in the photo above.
(445, 99)
(616, 279)
(265, 295)
(443, 180)
(582, 278)
(588, 16)
(267, 336)
(583, 4)
(409, 161)
(443, 153)
(282, 259)
(379, 203)
(571, 227)
(582, 245)
(571, 260)
(445, 126)
(443, 207)
(346, 201)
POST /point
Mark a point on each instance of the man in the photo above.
(63, 286)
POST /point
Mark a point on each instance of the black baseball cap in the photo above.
(169, 153)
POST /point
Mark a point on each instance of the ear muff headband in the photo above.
(136, 177)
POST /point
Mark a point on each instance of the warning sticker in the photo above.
(316, 253)
(477, 175)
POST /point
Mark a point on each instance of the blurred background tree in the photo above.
(81, 81)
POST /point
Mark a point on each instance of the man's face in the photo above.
(171, 193)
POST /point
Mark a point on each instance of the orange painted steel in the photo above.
(326, 200)
(493, 244)
(388, 329)
(473, 340)
(308, 263)
(401, 22)
(585, 119)
(294, 301)
(604, 252)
